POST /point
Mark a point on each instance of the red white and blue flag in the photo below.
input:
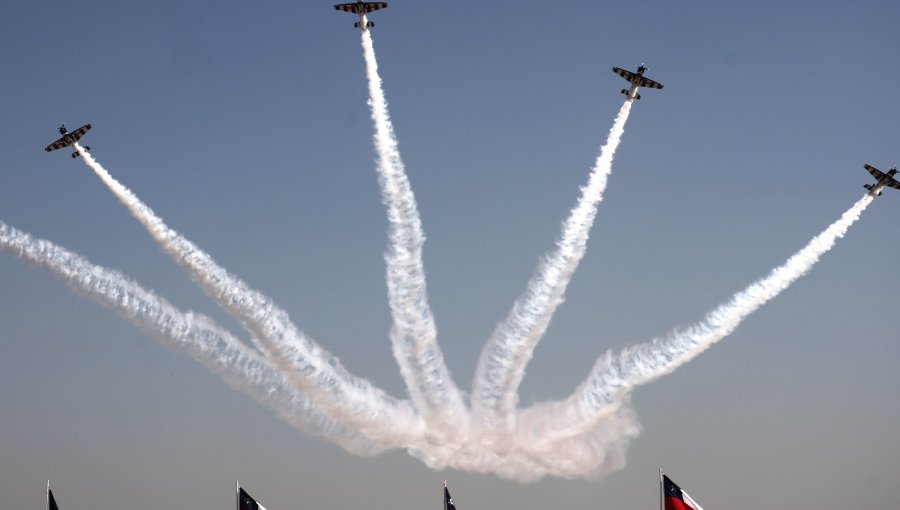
(676, 499)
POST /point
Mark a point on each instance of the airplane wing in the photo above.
(346, 7)
(374, 6)
(367, 7)
(628, 75)
(78, 133)
(893, 184)
(876, 173)
(649, 84)
(59, 144)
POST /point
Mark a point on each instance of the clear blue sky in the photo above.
(245, 126)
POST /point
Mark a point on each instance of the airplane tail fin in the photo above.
(871, 187)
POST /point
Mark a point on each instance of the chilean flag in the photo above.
(675, 498)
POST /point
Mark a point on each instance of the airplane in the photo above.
(637, 80)
(68, 139)
(883, 179)
(362, 8)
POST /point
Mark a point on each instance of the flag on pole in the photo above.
(245, 502)
(676, 499)
(51, 502)
(448, 501)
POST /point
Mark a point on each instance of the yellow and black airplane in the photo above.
(362, 8)
(68, 139)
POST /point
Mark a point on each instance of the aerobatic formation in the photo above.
(584, 435)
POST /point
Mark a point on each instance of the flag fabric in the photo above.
(448, 501)
(245, 502)
(675, 498)
(51, 502)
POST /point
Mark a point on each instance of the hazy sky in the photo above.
(245, 126)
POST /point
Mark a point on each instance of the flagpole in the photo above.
(662, 505)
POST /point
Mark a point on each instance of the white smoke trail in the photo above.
(613, 378)
(413, 334)
(501, 366)
(195, 335)
(310, 369)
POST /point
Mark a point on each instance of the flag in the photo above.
(448, 501)
(245, 502)
(675, 498)
(51, 503)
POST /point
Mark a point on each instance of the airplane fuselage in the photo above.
(875, 189)
(635, 80)
(885, 180)
(363, 22)
(66, 136)
(632, 92)
(73, 142)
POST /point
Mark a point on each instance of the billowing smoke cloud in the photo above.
(585, 435)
